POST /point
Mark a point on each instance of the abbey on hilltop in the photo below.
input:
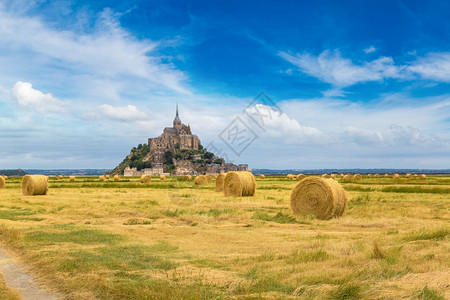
(177, 152)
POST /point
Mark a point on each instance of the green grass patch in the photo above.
(17, 214)
(346, 291)
(302, 256)
(416, 189)
(277, 218)
(429, 294)
(427, 234)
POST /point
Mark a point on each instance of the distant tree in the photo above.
(168, 157)
(208, 155)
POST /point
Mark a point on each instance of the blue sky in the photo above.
(353, 84)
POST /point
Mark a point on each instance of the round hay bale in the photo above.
(34, 185)
(209, 178)
(290, 176)
(323, 198)
(325, 176)
(386, 175)
(423, 176)
(6, 177)
(396, 176)
(59, 177)
(107, 176)
(369, 175)
(357, 177)
(376, 175)
(72, 178)
(219, 182)
(416, 176)
(116, 178)
(239, 184)
(300, 177)
(333, 176)
(187, 177)
(200, 180)
(146, 179)
(162, 177)
(2, 182)
(408, 175)
(101, 178)
(347, 177)
(262, 176)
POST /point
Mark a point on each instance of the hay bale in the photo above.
(162, 177)
(290, 176)
(219, 182)
(59, 177)
(369, 175)
(396, 176)
(72, 178)
(209, 178)
(107, 176)
(146, 179)
(116, 178)
(200, 180)
(408, 175)
(262, 176)
(377, 175)
(101, 178)
(2, 182)
(386, 175)
(300, 177)
(34, 185)
(187, 177)
(423, 176)
(323, 198)
(325, 176)
(347, 177)
(239, 184)
(357, 177)
(6, 177)
(333, 176)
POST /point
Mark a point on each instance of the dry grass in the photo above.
(120, 240)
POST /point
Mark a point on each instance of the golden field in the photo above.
(172, 240)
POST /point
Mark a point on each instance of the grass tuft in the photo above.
(429, 294)
(346, 291)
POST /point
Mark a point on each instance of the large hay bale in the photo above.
(262, 176)
(357, 177)
(200, 180)
(219, 182)
(239, 184)
(347, 177)
(116, 178)
(325, 176)
(101, 178)
(34, 185)
(408, 175)
(290, 176)
(72, 178)
(146, 179)
(59, 177)
(300, 177)
(323, 198)
(396, 176)
(162, 177)
(423, 176)
(187, 177)
(2, 182)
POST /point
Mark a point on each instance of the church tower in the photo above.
(177, 121)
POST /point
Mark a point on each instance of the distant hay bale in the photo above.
(323, 198)
(416, 176)
(146, 179)
(107, 176)
(187, 177)
(333, 176)
(423, 176)
(72, 178)
(162, 177)
(396, 176)
(290, 176)
(341, 175)
(209, 178)
(262, 176)
(377, 175)
(300, 177)
(408, 175)
(2, 182)
(101, 178)
(239, 184)
(357, 177)
(386, 175)
(34, 185)
(325, 176)
(219, 182)
(369, 175)
(59, 177)
(116, 178)
(347, 177)
(200, 180)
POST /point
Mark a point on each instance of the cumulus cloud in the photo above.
(434, 66)
(129, 113)
(370, 49)
(332, 68)
(27, 96)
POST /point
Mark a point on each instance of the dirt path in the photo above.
(18, 278)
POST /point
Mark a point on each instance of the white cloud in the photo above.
(129, 113)
(434, 66)
(27, 96)
(370, 49)
(362, 136)
(332, 68)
